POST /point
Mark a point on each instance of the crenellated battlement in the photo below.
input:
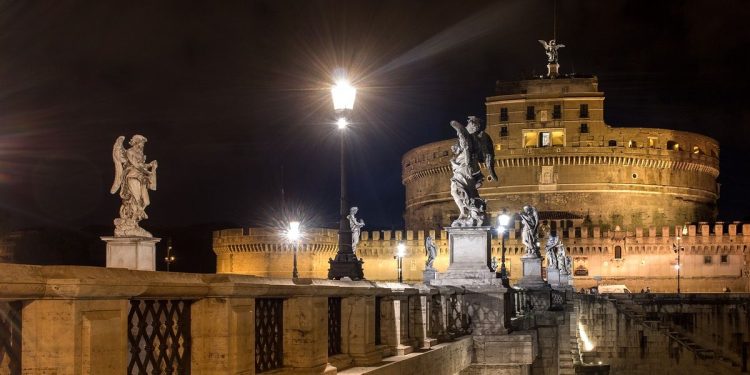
(321, 240)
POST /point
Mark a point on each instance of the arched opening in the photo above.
(673, 146)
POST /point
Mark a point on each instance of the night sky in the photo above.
(234, 97)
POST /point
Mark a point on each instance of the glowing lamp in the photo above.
(343, 94)
(401, 250)
(294, 233)
(342, 123)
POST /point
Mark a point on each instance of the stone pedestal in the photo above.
(429, 275)
(134, 253)
(532, 273)
(553, 70)
(469, 249)
(565, 279)
(553, 277)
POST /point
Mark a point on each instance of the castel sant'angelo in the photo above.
(619, 198)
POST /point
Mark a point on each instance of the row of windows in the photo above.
(583, 112)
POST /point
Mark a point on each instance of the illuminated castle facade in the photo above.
(618, 197)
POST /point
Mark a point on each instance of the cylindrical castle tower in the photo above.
(554, 151)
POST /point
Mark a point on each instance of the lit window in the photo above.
(545, 139)
(632, 144)
(673, 146)
(652, 142)
(697, 150)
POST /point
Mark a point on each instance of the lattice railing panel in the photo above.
(269, 329)
(436, 316)
(159, 337)
(10, 337)
(334, 325)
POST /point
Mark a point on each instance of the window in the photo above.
(612, 143)
(584, 111)
(652, 142)
(584, 128)
(725, 259)
(632, 144)
(618, 252)
(544, 139)
(556, 112)
(673, 146)
(697, 150)
(530, 112)
(503, 131)
(503, 114)
(707, 259)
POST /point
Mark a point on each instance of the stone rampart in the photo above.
(714, 255)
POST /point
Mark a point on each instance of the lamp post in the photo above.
(169, 259)
(679, 249)
(502, 227)
(400, 253)
(345, 264)
(293, 234)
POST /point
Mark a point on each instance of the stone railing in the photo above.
(88, 320)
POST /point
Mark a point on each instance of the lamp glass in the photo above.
(294, 233)
(503, 220)
(400, 250)
(684, 230)
(343, 94)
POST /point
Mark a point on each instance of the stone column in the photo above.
(358, 330)
(394, 331)
(306, 336)
(223, 332)
(419, 320)
(75, 336)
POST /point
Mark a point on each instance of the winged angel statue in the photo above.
(133, 178)
(551, 49)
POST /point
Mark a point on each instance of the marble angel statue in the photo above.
(551, 49)
(133, 178)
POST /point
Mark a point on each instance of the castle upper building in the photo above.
(553, 150)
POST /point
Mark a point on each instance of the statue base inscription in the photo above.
(133, 253)
(532, 274)
(469, 249)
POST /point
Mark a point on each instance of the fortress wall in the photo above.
(646, 256)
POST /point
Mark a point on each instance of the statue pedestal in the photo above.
(469, 249)
(429, 275)
(553, 277)
(133, 253)
(553, 69)
(565, 279)
(532, 273)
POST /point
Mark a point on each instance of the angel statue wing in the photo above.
(118, 156)
(544, 43)
(560, 45)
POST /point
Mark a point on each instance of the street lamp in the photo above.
(293, 235)
(345, 264)
(400, 253)
(502, 227)
(169, 259)
(679, 249)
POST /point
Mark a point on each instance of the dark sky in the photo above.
(233, 96)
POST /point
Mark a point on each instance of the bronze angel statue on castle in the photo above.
(133, 178)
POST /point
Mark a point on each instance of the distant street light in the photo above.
(169, 259)
(679, 249)
(345, 264)
(502, 227)
(400, 253)
(293, 235)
